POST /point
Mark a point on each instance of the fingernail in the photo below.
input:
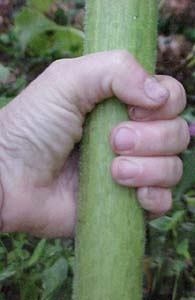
(154, 90)
(127, 169)
(125, 139)
(139, 113)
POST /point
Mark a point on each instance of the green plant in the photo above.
(34, 269)
(110, 229)
(34, 41)
(169, 264)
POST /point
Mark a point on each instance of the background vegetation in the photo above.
(32, 34)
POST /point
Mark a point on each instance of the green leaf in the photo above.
(190, 200)
(29, 23)
(42, 36)
(4, 101)
(28, 289)
(174, 267)
(61, 40)
(37, 253)
(166, 223)
(178, 266)
(188, 179)
(42, 6)
(7, 273)
(4, 74)
(54, 277)
(183, 249)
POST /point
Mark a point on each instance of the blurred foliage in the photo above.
(34, 269)
(39, 32)
(33, 34)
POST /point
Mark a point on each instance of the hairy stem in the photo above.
(110, 225)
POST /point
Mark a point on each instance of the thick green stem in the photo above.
(110, 226)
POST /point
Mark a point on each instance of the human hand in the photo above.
(40, 127)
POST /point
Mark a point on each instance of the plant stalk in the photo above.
(110, 224)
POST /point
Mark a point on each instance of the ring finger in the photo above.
(147, 171)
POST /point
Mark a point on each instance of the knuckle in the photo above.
(178, 95)
(122, 56)
(183, 133)
(54, 66)
(55, 69)
(167, 196)
(164, 200)
(154, 199)
(179, 92)
(182, 94)
(52, 70)
(177, 168)
(168, 205)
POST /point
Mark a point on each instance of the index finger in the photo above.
(170, 110)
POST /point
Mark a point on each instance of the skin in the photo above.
(40, 127)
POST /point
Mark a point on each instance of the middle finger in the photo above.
(154, 138)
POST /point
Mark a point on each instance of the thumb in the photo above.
(95, 77)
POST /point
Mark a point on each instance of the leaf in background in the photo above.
(38, 251)
(54, 277)
(188, 179)
(41, 35)
(29, 23)
(168, 223)
(189, 198)
(7, 273)
(179, 266)
(29, 289)
(4, 100)
(42, 6)
(183, 249)
(4, 74)
(61, 40)
(188, 114)
(174, 267)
